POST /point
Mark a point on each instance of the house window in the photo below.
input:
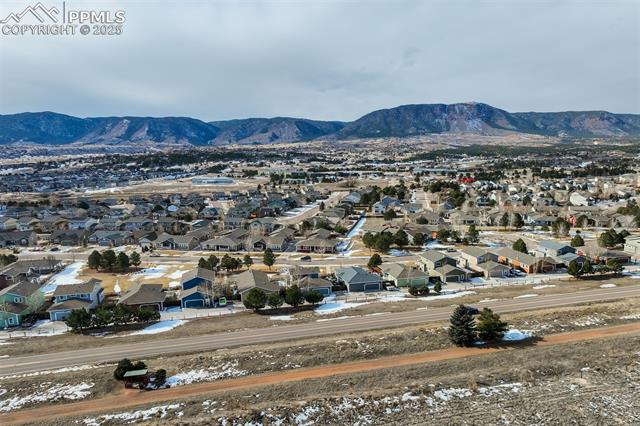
(10, 320)
(17, 299)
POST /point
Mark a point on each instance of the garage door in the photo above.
(194, 303)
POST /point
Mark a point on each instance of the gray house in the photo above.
(357, 279)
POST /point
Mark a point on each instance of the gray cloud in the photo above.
(333, 59)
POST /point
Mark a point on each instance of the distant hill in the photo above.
(273, 130)
(483, 119)
(402, 121)
(57, 129)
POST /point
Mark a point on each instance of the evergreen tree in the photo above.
(95, 260)
(390, 214)
(123, 261)
(247, 261)
(517, 221)
(293, 296)
(124, 365)
(109, 259)
(520, 246)
(135, 258)
(574, 270)
(401, 238)
(419, 239)
(437, 286)
(78, 320)
(374, 261)
(314, 297)
(462, 331)
(213, 262)
(102, 317)
(202, 263)
(255, 299)
(504, 220)
(473, 235)
(587, 268)
(577, 241)
(268, 258)
(490, 327)
(274, 300)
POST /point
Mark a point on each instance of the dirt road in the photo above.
(125, 400)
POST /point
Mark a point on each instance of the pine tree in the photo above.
(374, 261)
(462, 331)
(123, 261)
(520, 246)
(313, 296)
(473, 235)
(254, 299)
(293, 296)
(268, 258)
(247, 261)
(577, 241)
(274, 300)
(95, 260)
(573, 269)
(490, 327)
(78, 320)
(135, 258)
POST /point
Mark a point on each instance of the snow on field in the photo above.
(159, 327)
(152, 273)
(177, 274)
(608, 285)
(216, 372)
(631, 317)
(540, 287)
(523, 296)
(281, 318)
(398, 253)
(174, 284)
(515, 335)
(450, 295)
(45, 392)
(435, 245)
(42, 328)
(488, 300)
(68, 275)
(57, 371)
(477, 280)
(160, 411)
(333, 307)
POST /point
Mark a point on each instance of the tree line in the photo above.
(108, 260)
(80, 319)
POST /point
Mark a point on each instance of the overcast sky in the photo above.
(329, 59)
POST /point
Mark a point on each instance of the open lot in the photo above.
(285, 356)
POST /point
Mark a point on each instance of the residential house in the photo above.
(632, 246)
(18, 238)
(145, 296)
(357, 279)
(552, 248)
(253, 278)
(17, 301)
(317, 245)
(403, 275)
(321, 285)
(68, 297)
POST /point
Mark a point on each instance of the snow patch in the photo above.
(159, 327)
(515, 336)
(608, 285)
(46, 392)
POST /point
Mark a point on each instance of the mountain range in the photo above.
(403, 121)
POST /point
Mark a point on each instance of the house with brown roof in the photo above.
(145, 296)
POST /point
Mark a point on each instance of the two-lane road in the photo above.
(208, 342)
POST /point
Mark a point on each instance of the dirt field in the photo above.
(521, 370)
(287, 356)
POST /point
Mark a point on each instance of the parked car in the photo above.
(306, 258)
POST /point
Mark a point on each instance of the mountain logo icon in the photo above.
(38, 11)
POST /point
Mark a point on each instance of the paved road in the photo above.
(202, 343)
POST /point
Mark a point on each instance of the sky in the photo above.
(328, 59)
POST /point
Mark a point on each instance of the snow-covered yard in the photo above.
(210, 374)
(68, 275)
